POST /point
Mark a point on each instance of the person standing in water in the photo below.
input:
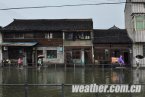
(20, 62)
(121, 61)
(137, 62)
(39, 63)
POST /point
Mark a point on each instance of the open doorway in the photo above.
(29, 56)
(126, 58)
(88, 57)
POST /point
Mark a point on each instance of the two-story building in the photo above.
(50, 38)
(78, 46)
(31, 38)
(135, 25)
(111, 43)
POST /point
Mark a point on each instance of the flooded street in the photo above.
(67, 76)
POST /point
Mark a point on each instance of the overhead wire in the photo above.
(72, 5)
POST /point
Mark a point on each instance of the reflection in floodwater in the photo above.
(67, 76)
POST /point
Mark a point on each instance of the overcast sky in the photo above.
(104, 16)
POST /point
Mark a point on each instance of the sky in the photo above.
(104, 16)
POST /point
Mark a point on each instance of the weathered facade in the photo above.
(135, 25)
(50, 38)
(111, 43)
(31, 38)
(78, 45)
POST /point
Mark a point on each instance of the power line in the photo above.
(15, 8)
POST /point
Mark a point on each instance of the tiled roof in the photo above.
(111, 36)
(49, 25)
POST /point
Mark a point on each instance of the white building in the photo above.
(135, 25)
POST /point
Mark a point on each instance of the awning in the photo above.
(18, 43)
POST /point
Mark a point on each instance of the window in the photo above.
(19, 35)
(77, 36)
(140, 22)
(39, 35)
(116, 53)
(69, 36)
(51, 54)
(28, 35)
(8, 35)
(39, 52)
(101, 56)
(53, 35)
(49, 35)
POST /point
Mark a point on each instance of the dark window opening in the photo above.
(51, 54)
(39, 35)
(76, 54)
(116, 53)
(19, 35)
(78, 36)
(8, 35)
(39, 52)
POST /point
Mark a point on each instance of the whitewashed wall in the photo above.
(138, 76)
(138, 8)
(128, 20)
(60, 55)
(138, 50)
(138, 0)
(139, 36)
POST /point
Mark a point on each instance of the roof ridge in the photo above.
(71, 19)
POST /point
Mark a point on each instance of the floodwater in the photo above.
(87, 75)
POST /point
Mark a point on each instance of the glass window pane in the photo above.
(139, 25)
(139, 18)
(140, 22)
(51, 54)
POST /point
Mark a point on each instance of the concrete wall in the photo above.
(138, 76)
(137, 36)
(138, 50)
(138, 8)
(137, 0)
(129, 25)
(59, 59)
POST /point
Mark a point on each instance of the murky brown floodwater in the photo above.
(68, 76)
